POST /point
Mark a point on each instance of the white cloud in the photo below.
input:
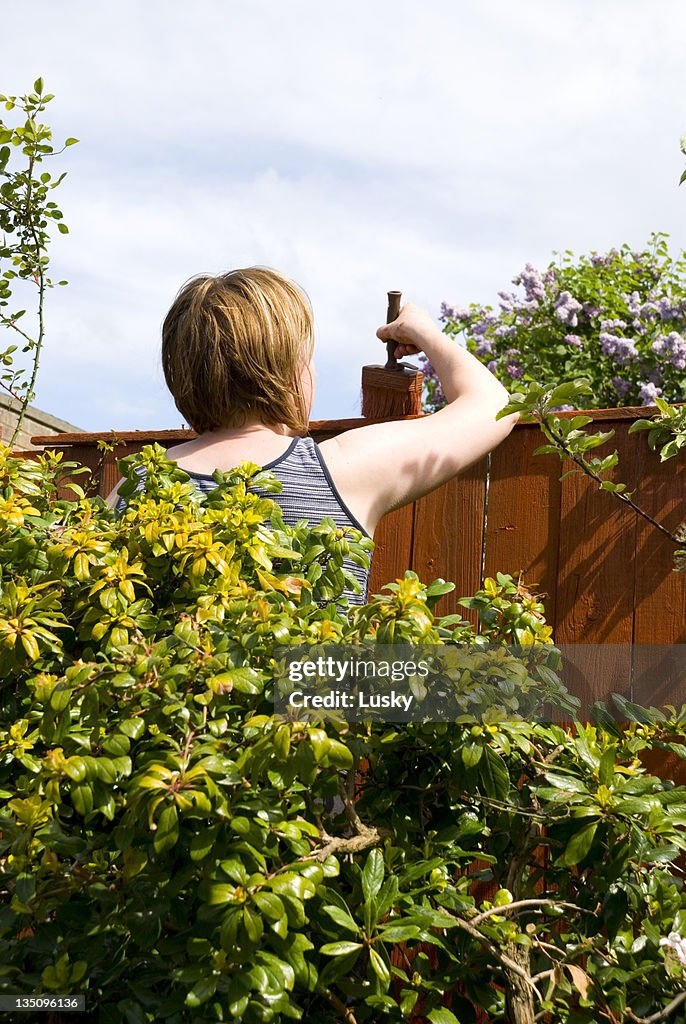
(354, 146)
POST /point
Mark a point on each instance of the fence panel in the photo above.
(606, 573)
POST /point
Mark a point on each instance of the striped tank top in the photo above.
(308, 492)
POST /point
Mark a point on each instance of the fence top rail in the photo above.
(183, 434)
(625, 413)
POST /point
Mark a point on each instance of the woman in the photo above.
(237, 357)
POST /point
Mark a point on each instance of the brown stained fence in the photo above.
(607, 573)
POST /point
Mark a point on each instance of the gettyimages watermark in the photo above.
(466, 682)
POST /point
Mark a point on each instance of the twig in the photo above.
(502, 958)
(560, 442)
(7, 321)
(40, 274)
(661, 1014)
(345, 1011)
(523, 904)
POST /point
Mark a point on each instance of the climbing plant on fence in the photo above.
(568, 438)
(165, 843)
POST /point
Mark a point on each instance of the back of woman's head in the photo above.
(235, 346)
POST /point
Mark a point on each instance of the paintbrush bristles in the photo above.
(388, 393)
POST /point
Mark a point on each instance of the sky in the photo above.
(356, 147)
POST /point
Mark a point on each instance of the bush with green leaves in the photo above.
(616, 318)
(168, 845)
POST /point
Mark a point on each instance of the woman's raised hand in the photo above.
(413, 330)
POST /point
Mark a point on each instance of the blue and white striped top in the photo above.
(308, 492)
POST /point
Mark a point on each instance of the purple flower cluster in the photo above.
(621, 386)
(532, 282)
(575, 340)
(612, 325)
(484, 346)
(622, 350)
(672, 348)
(434, 385)
(567, 309)
(648, 392)
(449, 312)
(488, 320)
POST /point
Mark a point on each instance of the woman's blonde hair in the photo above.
(235, 346)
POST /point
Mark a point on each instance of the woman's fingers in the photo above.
(405, 350)
(409, 330)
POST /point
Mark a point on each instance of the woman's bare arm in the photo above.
(386, 465)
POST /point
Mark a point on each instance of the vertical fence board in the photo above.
(523, 517)
(109, 474)
(595, 574)
(392, 548)
(448, 536)
(660, 598)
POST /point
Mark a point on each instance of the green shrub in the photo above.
(167, 843)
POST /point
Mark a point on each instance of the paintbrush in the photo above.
(393, 390)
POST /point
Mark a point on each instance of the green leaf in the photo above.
(379, 966)
(270, 905)
(252, 923)
(132, 727)
(372, 874)
(615, 906)
(292, 884)
(70, 142)
(203, 842)
(442, 1015)
(75, 768)
(339, 755)
(564, 392)
(569, 783)
(342, 919)
(62, 228)
(579, 845)
(438, 588)
(202, 991)
(167, 831)
(339, 948)
(547, 449)
(472, 751)
(398, 932)
(494, 775)
(82, 799)
(606, 771)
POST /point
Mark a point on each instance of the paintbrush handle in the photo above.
(392, 314)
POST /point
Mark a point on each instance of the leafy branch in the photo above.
(26, 212)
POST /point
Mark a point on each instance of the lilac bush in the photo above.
(617, 319)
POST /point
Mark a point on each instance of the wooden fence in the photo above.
(607, 573)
